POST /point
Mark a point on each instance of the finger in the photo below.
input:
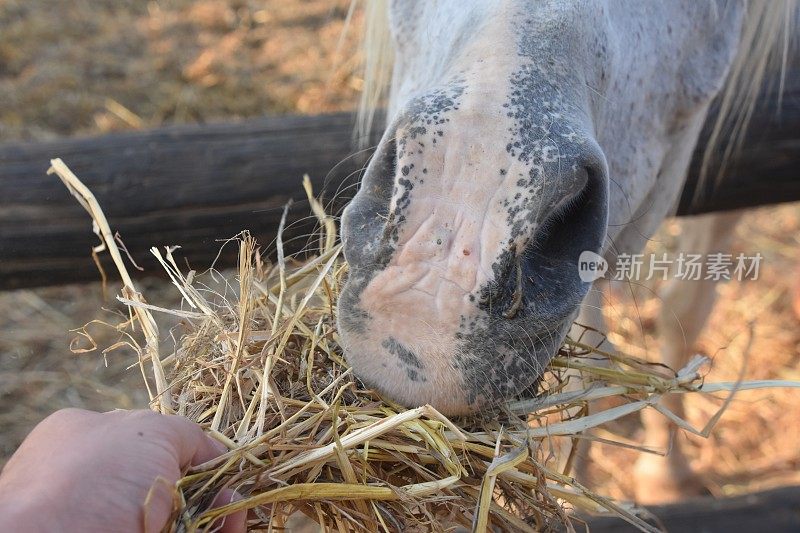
(194, 447)
(232, 523)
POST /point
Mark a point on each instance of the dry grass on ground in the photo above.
(182, 61)
(76, 68)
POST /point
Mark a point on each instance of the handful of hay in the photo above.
(261, 370)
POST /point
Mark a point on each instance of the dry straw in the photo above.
(264, 374)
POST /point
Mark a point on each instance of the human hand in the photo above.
(85, 471)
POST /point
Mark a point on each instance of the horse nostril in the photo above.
(379, 175)
(386, 164)
(378, 180)
(367, 225)
(547, 267)
(578, 223)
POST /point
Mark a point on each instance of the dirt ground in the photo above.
(108, 65)
(93, 66)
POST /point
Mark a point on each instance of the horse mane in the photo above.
(768, 31)
(378, 54)
(764, 49)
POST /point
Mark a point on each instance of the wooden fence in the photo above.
(196, 185)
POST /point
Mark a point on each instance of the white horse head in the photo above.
(521, 134)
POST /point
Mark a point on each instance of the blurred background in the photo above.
(92, 67)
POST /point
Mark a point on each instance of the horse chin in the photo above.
(506, 362)
(459, 372)
(482, 386)
(407, 379)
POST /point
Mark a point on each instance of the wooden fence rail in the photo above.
(773, 511)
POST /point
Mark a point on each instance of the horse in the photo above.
(520, 135)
